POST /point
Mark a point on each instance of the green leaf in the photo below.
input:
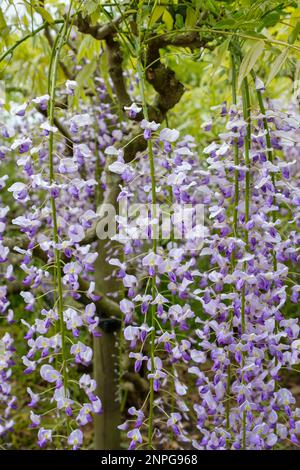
(3, 24)
(86, 72)
(220, 53)
(250, 60)
(168, 19)
(271, 19)
(4, 29)
(277, 65)
(179, 21)
(156, 14)
(44, 14)
(211, 5)
(191, 17)
(90, 7)
(84, 46)
(256, 35)
(294, 34)
(197, 4)
(228, 23)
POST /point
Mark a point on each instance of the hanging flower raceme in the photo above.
(54, 358)
(215, 301)
(7, 399)
(204, 307)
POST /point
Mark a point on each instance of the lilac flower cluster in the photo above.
(214, 327)
(219, 308)
(58, 348)
(7, 399)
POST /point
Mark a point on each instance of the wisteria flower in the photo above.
(135, 437)
(71, 85)
(51, 375)
(149, 127)
(75, 439)
(20, 191)
(133, 110)
(44, 436)
(42, 101)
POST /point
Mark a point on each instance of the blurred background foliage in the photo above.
(268, 32)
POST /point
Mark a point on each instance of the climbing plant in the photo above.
(149, 221)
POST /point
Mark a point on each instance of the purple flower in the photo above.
(149, 127)
(133, 110)
(76, 233)
(75, 439)
(71, 85)
(35, 419)
(23, 145)
(51, 375)
(83, 354)
(20, 191)
(44, 436)
(67, 166)
(42, 101)
(135, 437)
(84, 415)
(173, 421)
(20, 110)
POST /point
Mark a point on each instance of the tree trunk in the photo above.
(107, 435)
(106, 347)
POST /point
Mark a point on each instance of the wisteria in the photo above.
(246, 332)
(42, 333)
(149, 272)
(240, 337)
(8, 400)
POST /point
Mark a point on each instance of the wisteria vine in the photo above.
(203, 313)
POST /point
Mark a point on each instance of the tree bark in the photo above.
(106, 347)
(106, 432)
